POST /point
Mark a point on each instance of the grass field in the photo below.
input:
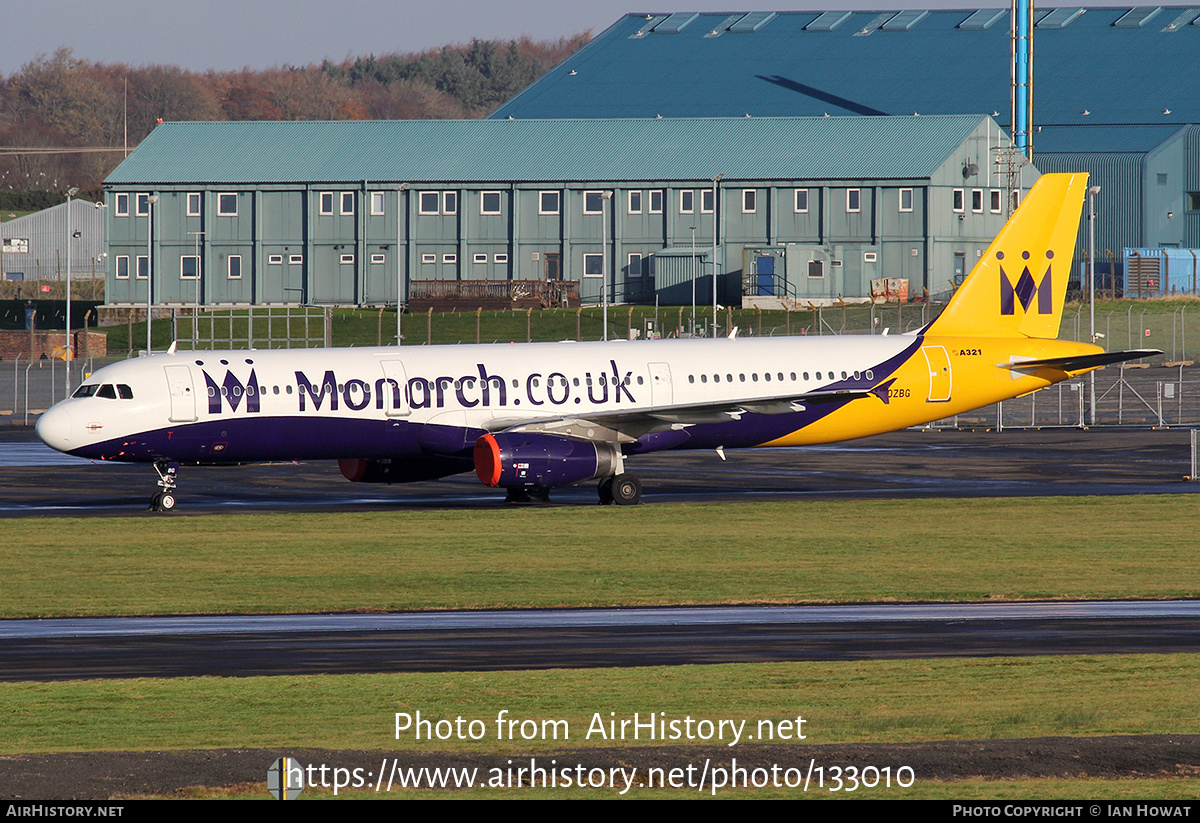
(843, 551)
(790, 552)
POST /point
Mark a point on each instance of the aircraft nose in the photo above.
(54, 428)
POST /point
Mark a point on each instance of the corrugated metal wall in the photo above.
(1118, 205)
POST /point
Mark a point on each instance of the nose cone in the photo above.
(54, 427)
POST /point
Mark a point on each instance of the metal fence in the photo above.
(270, 327)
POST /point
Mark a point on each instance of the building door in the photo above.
(553, 266)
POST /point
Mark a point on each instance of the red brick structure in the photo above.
(35, 345)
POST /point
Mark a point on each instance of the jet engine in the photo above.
(522, 460)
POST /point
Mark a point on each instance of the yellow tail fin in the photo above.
(1019, 285)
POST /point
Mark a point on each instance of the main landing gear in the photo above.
(623, 490)
(168, 473)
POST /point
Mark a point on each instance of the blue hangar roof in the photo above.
(442, 151)
(1094, 65)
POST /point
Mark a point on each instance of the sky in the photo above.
(257, 34)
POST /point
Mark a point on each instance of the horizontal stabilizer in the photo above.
(1085, 361)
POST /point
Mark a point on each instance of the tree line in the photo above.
(59, 101)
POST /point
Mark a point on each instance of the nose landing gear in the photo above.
(164, 501)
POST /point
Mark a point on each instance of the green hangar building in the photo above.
(371, 213)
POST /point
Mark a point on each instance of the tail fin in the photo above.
(1019, 285)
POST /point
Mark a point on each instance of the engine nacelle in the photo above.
(358, 470)
(522, 460)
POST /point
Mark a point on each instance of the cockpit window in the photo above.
(86, 391)
(124, 391)
(107, 391)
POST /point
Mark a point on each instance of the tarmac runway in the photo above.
(242, 646)
(36, 481)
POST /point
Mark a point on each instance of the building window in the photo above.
(347, 202)
(193, 204)
(449, 202)
(346, 259)
(449, 258)
(275, 260)
(235, 267)
(489, 203)
(977, 201)
(749, 201)
(480, 257)
(502, 257)
(429, 202)
(906, 199)
(816, 268)
(635, 202)
(656, 201)
(687, 202)
(593, 265)
(801, 206)
(189, 267)
(706, 201)
(870, 257)
(995, 197)
(122, 270)
(326, 198)
(958, 200)
(593, 202)
(143, 205)
(376, 202)
(853, 200)
(296, 259)
(227, 205)
(428, 258)
(121, 202)
(143, 267)
(378, 258)
(1016, 198)
(635, 265)
(548, 202)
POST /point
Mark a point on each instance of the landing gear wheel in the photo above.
(626, 490)
(164, 501)
(605, 490)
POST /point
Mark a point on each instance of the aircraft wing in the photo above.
(1080, 363)
(627, 425)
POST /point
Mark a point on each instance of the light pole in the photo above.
(71, 192)
(692, 329)
(1092, 192)
(150, 201)
(605, 196)
(402, 225)
(716, 182)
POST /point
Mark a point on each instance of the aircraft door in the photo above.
(183, 394)
(394, 388)
(661, 391)
(939, 373)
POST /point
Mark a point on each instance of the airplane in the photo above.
(529, 417)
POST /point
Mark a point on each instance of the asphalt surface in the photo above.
(62, 649)
(36, 481)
